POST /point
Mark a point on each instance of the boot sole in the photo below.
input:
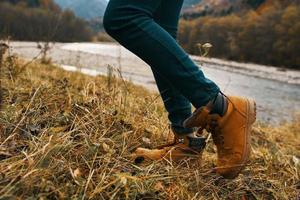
(251, 118)
(141, 157)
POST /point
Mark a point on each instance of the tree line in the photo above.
(268, 35)
(40, 20)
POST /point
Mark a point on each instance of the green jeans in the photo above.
(148, 28)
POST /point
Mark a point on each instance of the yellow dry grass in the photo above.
(65, 135)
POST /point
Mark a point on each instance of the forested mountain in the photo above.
(85, 9)
(95, 8)
(42, 20)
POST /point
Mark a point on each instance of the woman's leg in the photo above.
(131, 22)
(178, 107)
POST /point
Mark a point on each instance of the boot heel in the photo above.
(252, 111)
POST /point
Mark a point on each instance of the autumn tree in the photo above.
(41, 20)
(268, 35)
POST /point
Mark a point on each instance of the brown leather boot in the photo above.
(182, 147)
(231, 133)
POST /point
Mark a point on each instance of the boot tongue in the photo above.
(198, 119)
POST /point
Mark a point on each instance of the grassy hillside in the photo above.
(65, 135)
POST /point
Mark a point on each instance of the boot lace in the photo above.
(215, 130)
(211, 125)
(175, 141)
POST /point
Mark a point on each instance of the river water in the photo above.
(277, 101)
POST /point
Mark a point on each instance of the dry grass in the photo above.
(65, 135)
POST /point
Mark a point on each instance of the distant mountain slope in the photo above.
(192, 8)
(85, 9)
(220, 7)
(95, 8)
(189, 3)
